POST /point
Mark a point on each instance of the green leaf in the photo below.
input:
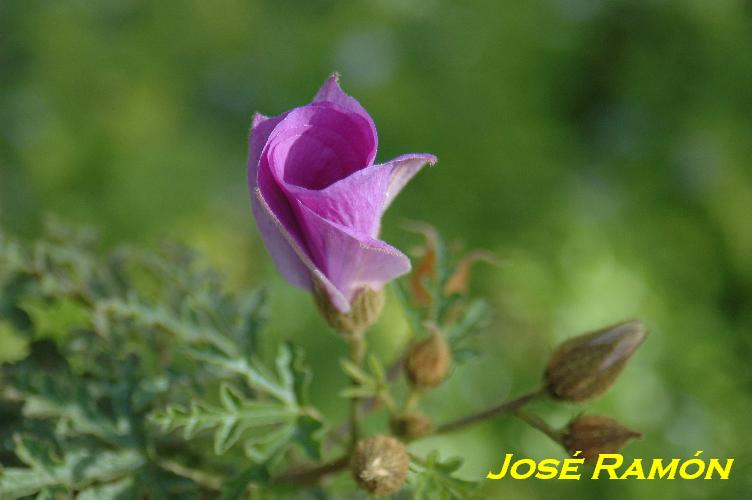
(12, 346)
(54, 319)
(117, 490)
(460, 334)
(256, 375)
(68, 401)
(236, 416)
(373, 384)
(433, 479)
(236, 487)
(77, 469)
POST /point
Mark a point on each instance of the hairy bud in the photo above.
(380, 465)
(411, 426)
(592, 435)
(427, 362)
(365, 310)
(586, 366)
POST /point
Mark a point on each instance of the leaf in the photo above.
(230, 421)
(425, 271)
(12, 346)
(459, 282)
(117, 490)
(54, 319)
(473, 319)
(366, 385)
(266, 427)
(236, 487)
(433, 479)
(68, 401)
(258, 377)
(76, 469)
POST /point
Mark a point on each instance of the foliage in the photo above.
(122, 351)
(433, 479)
(137, 374)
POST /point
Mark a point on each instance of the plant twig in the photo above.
(538, 423)
(357, 354)
(506, 407)
(313, 474)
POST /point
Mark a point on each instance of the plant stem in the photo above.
(357, 343)
(499, 409)
(313, 474)
(538, 423)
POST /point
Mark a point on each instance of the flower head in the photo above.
(318, 197)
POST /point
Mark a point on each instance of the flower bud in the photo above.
(592, 435)
(365, 310)
(586, 366)
(414, 425)
(427, 362)
(380, 465)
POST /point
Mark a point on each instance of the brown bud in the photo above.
(411, 426)
(380, 464)
(586, 366)
(365, 310)
(427, 362)
(592, 435)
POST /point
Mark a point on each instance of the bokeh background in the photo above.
(601, 148)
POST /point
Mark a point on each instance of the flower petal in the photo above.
(261, 127)
(316, 145)
(291, 259)
(331, 92)
(276, 230)
(350, 260)
(359, 200)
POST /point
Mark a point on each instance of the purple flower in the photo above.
(318, 197)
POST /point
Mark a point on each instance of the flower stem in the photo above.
(538, 423)
(499, 409)
(313, 474)
(357, 343)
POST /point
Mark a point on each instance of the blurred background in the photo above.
(600, 148)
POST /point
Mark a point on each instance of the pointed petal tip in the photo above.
(257, 119)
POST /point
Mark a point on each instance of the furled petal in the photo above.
(286, 250)
(350, 260)
(359, 200)
(274, 228)
(331, 92)
(317, 145)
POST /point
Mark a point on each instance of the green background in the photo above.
(600, 148)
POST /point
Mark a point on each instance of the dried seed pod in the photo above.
(586, 366)
(411, 426)
(380, 465)
(365, 310)
(427, 362)
(592, 435)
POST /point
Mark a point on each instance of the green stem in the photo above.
(538, 423)
(499, 409)
(313, 474)
(357, 343)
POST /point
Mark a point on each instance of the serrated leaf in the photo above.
(12, 345)
(236, 487)
(54, 319)
(433, 479)
(76, 469)
(309, 433)
(121, 489)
